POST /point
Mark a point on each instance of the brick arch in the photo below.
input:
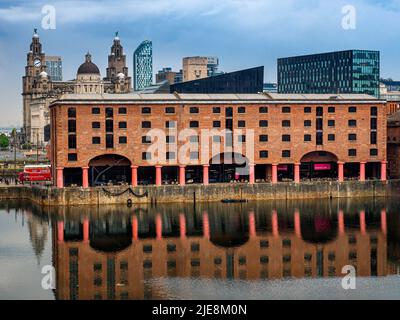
(314, 156)
(119, 159)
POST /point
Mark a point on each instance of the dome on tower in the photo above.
(121, 75)
(88, 66)
(43, 74)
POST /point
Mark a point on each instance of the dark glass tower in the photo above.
(352, 71)
(143, 66)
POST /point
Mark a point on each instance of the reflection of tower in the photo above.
(38, 235)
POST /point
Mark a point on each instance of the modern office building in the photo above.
(270, 87)
(54, 67)
(391, 85)
(194, 68)
(243, 81)
(250, 138)
(212, 66)
(166, 74)
(143, 66)
(352, 71)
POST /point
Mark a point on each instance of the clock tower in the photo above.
(34, 67)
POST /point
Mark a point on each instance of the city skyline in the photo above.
(305, 27)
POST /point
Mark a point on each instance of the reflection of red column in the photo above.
(252, 178)
(182, 225)
(158, 176)
(275, 225)
(85, 177)
(274, 173)
(205, 174)
(252, 225)
(86, 230)
(297, 225)
(383, 170)
(158, 227)
(60, 177)
(362, 171)
(340, 171)
(341, 222)
(206, 226)
(134, 176)
(297, 172)
(383, 221)
(135, 228)
(182, 175)
(60, 231)
(363, 227)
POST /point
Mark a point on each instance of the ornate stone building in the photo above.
(39, 90)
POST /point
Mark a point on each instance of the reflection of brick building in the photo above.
(295, 137)
(393, 141)
(113, 257)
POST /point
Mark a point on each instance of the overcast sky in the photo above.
(241, 33)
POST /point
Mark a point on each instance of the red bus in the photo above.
(35, 173)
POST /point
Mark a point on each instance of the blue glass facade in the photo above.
(352, 71)
(143, 66)
(54, 68)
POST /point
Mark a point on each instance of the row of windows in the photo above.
(287, 153)
(217, 110)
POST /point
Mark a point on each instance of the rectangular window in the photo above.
(229, 112)
(109, 112)
(169, 110)
(286, 138)
(374, 123)
(194, 139)
(374, 137)
(352, 137)
(194, 155)
(109, 141)
(146, 110)
(374, 111)
(319, 139)
(307, 138)
(146, 139)
(331, 137)
(241, 138)
(216, 110)
(242, 110)
(352, 109)
(331, 123)
(263, 123)
(216, 124)
(146, 124)
(352, 123)
(286, 123)
(72, 157)
(307, 109)
(307, 123)
(95, 110)
(170, 139)
(241, 124)
(170, 155)
(217, 139)
(263, 154)
(320, 124)
(122, 110)
(122, 125)
(96, 125)
(285, 153)
(263, 138)
(194, 124)
(373, 152)
(72, 141)
(170, 124)
(320, 111)
(71, 125)
(352, 152)
(146, 155)
(109, 126)
(96, 140)
(286, 109)
(71, 113)
(331, 109)
(194, 110)
(263, 110)
(123, 140)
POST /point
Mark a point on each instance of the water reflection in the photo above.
(113, 252)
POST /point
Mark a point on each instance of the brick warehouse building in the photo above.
(101, 138)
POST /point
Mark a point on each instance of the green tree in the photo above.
(4, 141)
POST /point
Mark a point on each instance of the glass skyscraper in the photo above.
(352, 71)
(54, 67)
(143, 66)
